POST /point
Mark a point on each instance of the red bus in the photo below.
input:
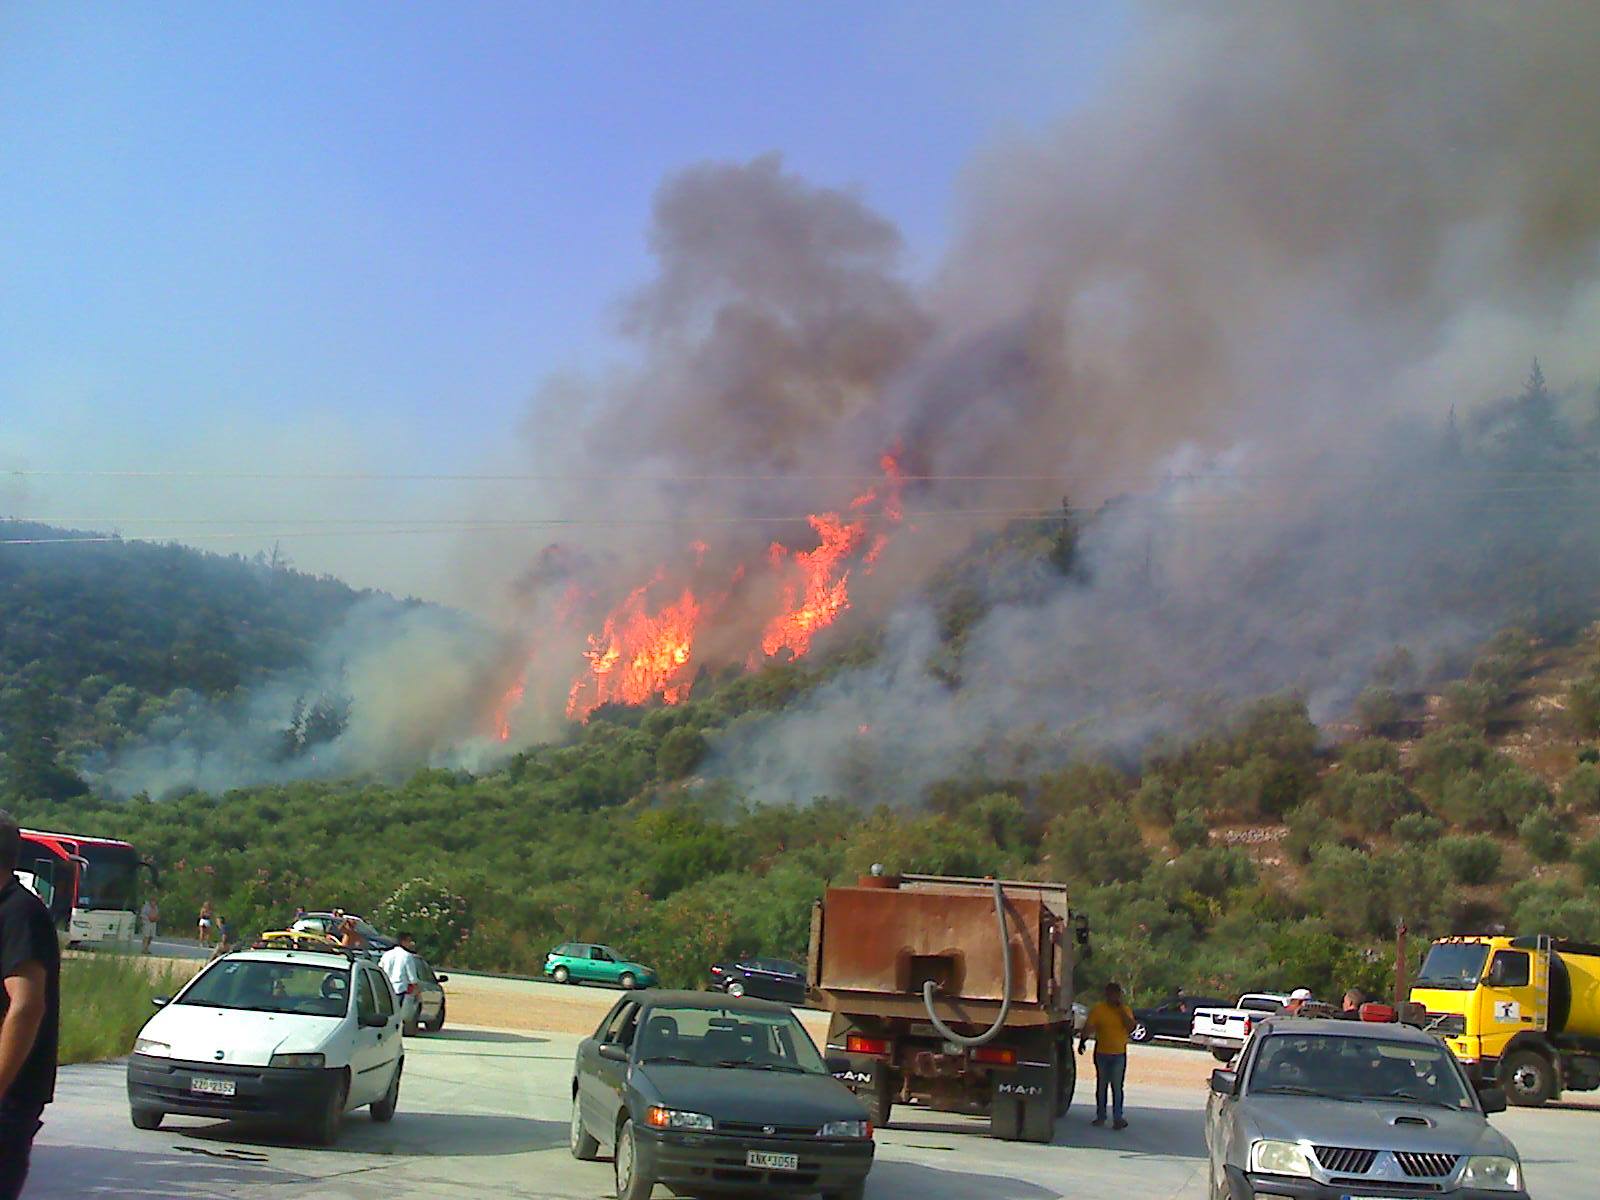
(90, 884)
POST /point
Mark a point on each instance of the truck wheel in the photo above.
(1005, 1120)
(1068, 1080)
(1223, 1056)
(1528, 1077)
(882, 1101)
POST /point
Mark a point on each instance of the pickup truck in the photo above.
(1225, 1030)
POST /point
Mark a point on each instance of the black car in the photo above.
(704, 1092)
(765, 978)
(1172, 1018)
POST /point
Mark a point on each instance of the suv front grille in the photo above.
(1426, 1166)
(1345, 1160)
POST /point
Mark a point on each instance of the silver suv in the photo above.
(1331, 1109)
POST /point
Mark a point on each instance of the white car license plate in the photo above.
(769, 1161)
(212, 1087)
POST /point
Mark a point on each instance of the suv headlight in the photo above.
(151, 1047)
(1280, 1158)
(1492, 1172)
(846, 1129)
(676, 1118)
(297, 1060)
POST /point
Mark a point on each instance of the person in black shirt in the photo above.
(30, 1006)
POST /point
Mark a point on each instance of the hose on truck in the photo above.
(929, 988)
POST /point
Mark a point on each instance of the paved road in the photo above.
(484, 1113)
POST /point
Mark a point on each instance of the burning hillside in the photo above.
(652, 643)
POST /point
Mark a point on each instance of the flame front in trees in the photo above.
(639, 654)
(817, 584)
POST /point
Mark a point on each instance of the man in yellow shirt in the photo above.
(1110, 1021)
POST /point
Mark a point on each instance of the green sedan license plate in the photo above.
(768, 1161)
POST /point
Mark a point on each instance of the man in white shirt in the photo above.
(399, 963)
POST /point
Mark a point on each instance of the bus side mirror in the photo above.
(1493, 1099)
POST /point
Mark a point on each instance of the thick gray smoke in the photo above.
(1284, 243)
(404, 684)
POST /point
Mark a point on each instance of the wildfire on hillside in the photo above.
(647, 646)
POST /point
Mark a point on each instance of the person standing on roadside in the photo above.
(30, 1013)
(399, 963)
(148, 916)
(1110, 1021)
(208, 915)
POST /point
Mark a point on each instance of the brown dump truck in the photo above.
(951, 994)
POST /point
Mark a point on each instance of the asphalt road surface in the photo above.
(484, 1113)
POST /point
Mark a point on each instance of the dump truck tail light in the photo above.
(995, 1054)
(856, 1044)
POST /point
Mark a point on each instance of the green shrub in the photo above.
(1213, 872)
(1395, 669)
(1471, 860)
(1309, 828)
(1587, 856)
(1589, 754)
(1369, 755)
(1475, 702)
(1583, 705)
(680, 752)
(1497, 803)
(1189, 830)
(435, 916)
(1378, 710)
(1153, 800)
(1418, 829)
(1453, 751)
(1581, 788)
(1096, 848)
(1372, 801)
(1542, 833)
(105, 1001)
(1555, 909)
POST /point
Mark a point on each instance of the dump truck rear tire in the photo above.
(1067, 1069)
(882, 1101)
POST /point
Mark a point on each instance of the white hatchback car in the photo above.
(289, 1037)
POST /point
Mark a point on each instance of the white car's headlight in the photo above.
(1492, 1173)
(676, 1118)
(298, 1060)
(152, 1047)
(846, 1129)
(1280, 1158)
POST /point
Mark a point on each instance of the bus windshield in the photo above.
(110, 879)
(1453, 966)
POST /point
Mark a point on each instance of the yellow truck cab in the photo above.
(1523, 1012)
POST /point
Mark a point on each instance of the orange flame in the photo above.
(509, 703)
(639, 654)
(643, 652)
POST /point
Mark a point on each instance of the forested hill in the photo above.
(99, 636)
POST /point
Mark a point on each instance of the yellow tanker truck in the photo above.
(1523, 1012)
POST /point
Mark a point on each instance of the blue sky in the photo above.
(261, 236)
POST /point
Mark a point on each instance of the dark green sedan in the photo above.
(705, 1092)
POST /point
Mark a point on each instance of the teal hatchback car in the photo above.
(579, 962)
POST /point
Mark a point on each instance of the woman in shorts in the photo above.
(208, 918)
